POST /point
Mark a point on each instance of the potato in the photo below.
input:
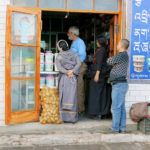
(50, 105)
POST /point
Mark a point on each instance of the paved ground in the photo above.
(89, 125)
(104, 146)
(85, 132)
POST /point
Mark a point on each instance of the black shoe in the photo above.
(81, 114)
(95, 117)
(98, 117)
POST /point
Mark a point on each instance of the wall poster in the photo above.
(140, 41)
(23, 28)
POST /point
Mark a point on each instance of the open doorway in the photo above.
(55, 26)
(23, 70)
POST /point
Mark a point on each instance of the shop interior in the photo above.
(55, 27)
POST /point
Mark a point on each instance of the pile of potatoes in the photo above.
(50, 105)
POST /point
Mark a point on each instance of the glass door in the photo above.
(23, 35)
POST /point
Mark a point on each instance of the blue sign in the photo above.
(140, 40)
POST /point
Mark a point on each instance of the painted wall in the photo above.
(3, 4)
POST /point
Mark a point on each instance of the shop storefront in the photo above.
(32, 30)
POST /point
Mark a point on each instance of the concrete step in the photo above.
(74, 138)
(101, 146)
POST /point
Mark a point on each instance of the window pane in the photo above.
(59, 4)
(107, 5)
(80, 4)
(24, 3)
(23, 62)
(24, 28)
(22, 95)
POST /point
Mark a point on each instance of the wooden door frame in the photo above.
(117, 20)
(114, 25)
(26, 116)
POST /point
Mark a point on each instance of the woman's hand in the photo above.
(70, 73)
(96, 78)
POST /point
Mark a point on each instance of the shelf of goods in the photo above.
(48, 71)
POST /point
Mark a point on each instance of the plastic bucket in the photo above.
(50, 81)
(49, 67)
(42, 81)
(42, 67)
(49, 57)
(42, 57)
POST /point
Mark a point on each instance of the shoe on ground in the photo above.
(122, 132)
(95, 117)
(113, 132)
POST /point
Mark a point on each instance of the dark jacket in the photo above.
(100, 63)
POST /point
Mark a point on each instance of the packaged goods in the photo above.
(42, 81)
(50, 81)
(42, 67)
(48, 67)
(42, 57)
(49, 57)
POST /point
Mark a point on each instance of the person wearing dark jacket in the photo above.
(97, 104)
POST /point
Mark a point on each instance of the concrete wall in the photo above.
(3, 4)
